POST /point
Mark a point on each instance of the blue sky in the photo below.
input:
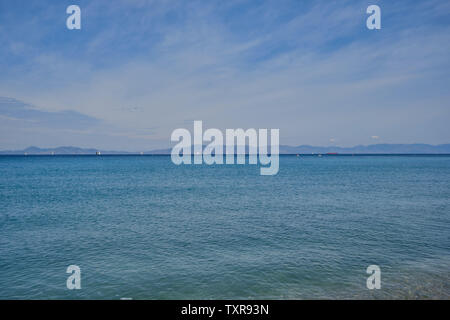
(138, 69)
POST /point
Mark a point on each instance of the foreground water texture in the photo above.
(140, 227)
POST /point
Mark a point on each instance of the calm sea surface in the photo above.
(142, 228)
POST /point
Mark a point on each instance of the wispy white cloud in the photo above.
(310, 70)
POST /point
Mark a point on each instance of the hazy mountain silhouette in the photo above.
(303, 149)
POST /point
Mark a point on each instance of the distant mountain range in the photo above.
(56, 151)
(303, 149)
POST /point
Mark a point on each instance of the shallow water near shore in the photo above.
(141, 227)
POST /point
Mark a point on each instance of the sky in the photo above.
(139, 69)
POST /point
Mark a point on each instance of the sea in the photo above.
(141, 227)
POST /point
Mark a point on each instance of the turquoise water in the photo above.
(141, 227)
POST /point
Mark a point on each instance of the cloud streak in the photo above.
(308, 68)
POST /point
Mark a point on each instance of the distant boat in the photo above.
(97, 153)
(332, 153)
